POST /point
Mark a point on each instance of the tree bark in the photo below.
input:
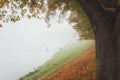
(106, 27)
(106, 52)
(117, 30)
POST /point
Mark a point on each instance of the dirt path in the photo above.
(81, 68)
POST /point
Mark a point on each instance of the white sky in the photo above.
(33, 33)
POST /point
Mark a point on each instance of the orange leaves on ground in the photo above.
(81, 68)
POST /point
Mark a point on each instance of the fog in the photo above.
(26, 44)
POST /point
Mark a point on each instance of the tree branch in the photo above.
(95, 12)
(91, 6)
(110, 3)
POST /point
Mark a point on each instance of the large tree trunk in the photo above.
(108, 48)
(117, 30)
(106, 51)
(106, 26)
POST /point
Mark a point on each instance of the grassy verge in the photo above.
(61, 57)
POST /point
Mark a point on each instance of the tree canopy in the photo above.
(15, 10)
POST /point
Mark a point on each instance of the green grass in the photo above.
(60, 58)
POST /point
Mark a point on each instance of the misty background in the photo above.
(26, 44)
